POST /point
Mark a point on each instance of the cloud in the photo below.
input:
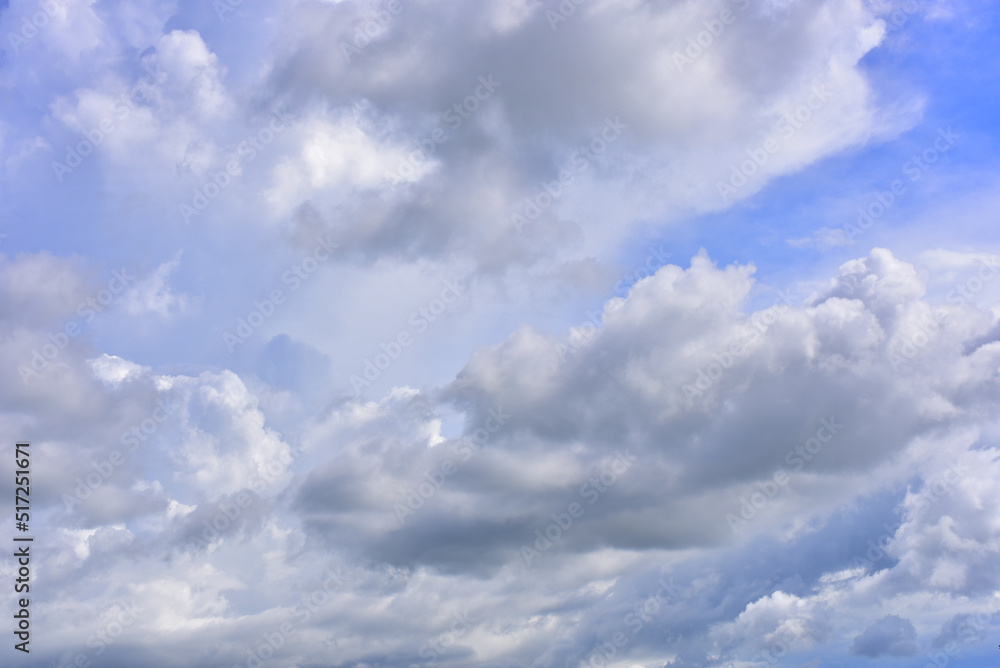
(688, 468)
(890, 636)
(39, 289)
(153, 295)
(410, 517)
(532, 122)
(822, 239)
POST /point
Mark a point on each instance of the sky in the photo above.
(501, 333)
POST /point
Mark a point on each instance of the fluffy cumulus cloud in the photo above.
(535, 122)
(668, 481)
(500, 142)
(306, 312)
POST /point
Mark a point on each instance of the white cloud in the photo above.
(813, 474)
(695, 455)
(153, 295)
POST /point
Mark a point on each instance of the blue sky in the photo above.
(949, 65)
(461, 311)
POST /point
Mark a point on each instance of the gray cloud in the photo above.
(802, 476)
(890, 636)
